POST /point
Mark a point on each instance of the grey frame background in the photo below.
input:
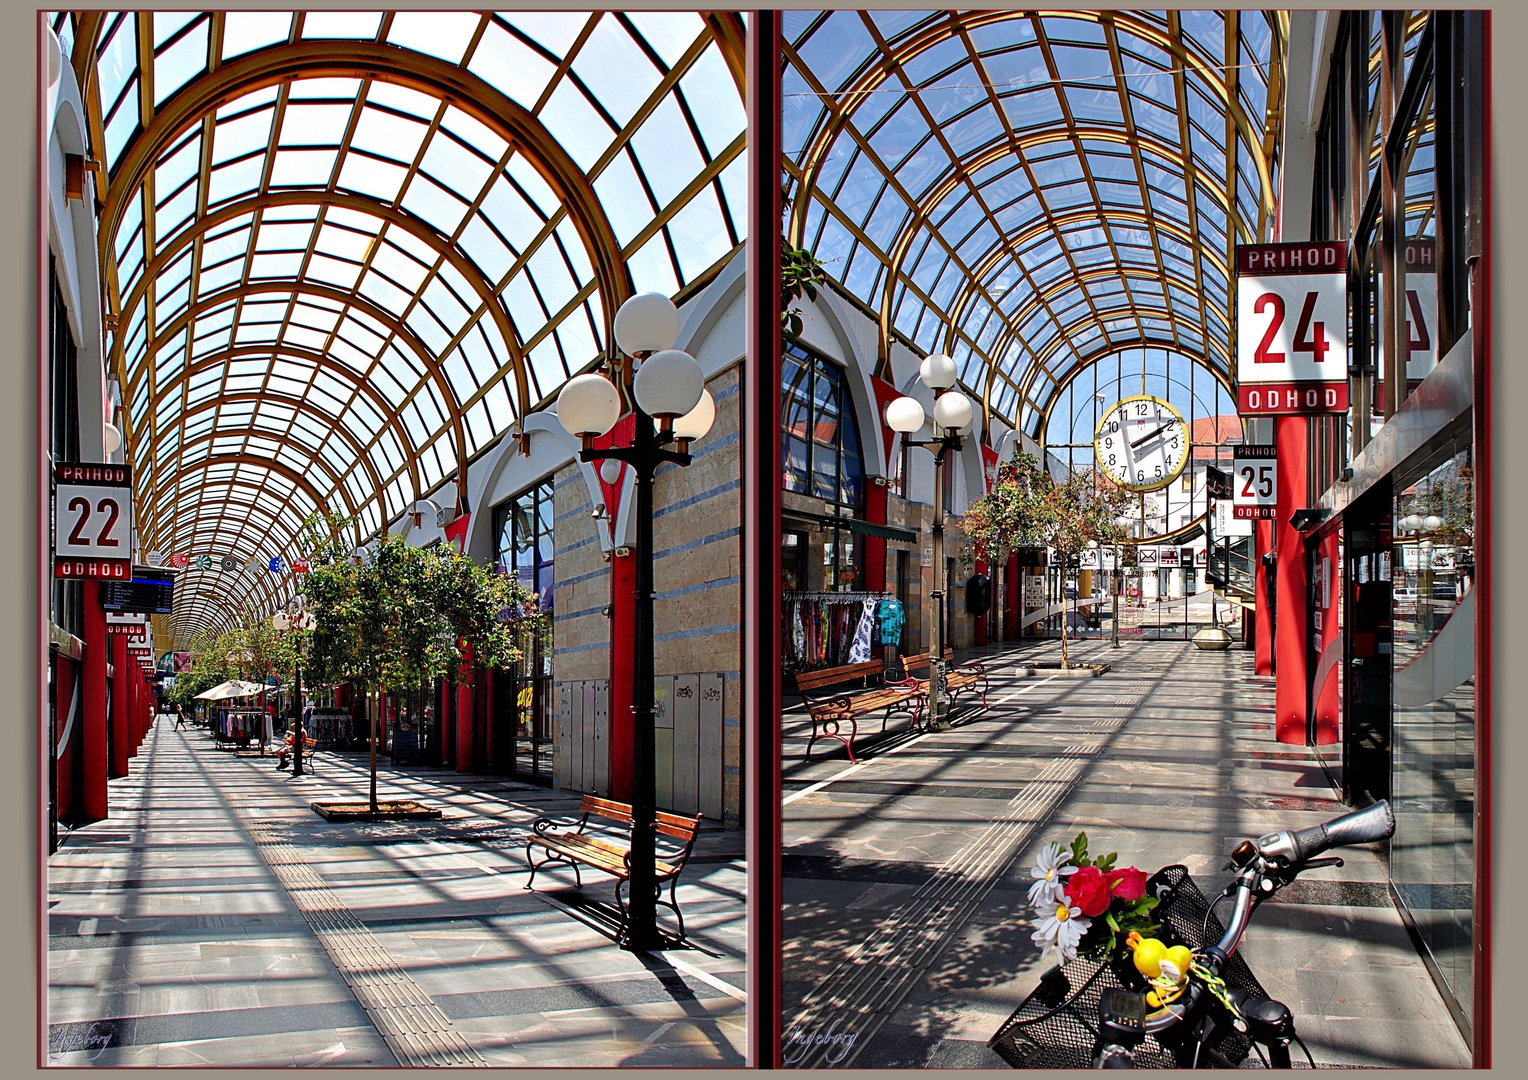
(20, 949)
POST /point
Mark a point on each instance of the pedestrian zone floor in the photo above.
(214, 919)
(905, 919)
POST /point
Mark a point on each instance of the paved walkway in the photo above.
(906, 876)
(214, 919)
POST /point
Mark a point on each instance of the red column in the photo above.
(1329, 606)
(874, 546)
(464, 712)
(124, 737)
(1292, 682)
(1262, 542)
(623, 617)
(92, 803)
(623, 650)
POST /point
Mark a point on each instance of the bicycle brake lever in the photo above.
(1330, 860)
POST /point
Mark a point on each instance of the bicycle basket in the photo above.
(1057, 1026)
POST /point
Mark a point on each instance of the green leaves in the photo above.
(800, 274)
(400, 616)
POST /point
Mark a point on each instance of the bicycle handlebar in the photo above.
(1361, 827)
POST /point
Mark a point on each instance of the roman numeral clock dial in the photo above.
(1141, 443)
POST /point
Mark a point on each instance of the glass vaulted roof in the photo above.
(346, 251)
(1027, 191)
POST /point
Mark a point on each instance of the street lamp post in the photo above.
(666, 384)
(300, 622)
(952, 414)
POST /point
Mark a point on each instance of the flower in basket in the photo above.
(1086, 906)
(1049, 872)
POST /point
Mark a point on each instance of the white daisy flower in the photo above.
(1061, 929)
(1049, 870)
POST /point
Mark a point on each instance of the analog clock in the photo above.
(1141, 443)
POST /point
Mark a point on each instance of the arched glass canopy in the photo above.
(345, 252)
(1028, 191)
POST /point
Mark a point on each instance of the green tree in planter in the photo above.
(1027, 508)
(398, 617)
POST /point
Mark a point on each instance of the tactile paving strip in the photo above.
(413, 1026)
(863, 992)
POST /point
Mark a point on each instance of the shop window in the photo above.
(523, 527)
(820, 443)
(1432, 856)
(793, 562)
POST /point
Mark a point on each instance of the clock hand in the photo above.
(1148, 438)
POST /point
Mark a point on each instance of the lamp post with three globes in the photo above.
(952, 415)
(654, 381)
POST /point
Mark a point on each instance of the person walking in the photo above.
(180, 718)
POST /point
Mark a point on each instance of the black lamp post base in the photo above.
(644, 939)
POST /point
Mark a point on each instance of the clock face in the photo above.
(1141, 443)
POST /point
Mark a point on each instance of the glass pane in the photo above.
(1432, 854)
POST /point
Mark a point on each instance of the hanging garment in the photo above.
(798, 636)
(890, 617)
(859, 651)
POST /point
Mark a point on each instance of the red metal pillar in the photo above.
(623, 624)
(1327, 707)
(874, 546)
(92, 803)
(464, 686)
(125, 737)
(1292, 682)
(1262, 638)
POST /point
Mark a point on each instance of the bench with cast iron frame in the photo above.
(957, 679)
(575, 846)
(830, 712)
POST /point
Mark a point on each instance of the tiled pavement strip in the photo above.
(905, 918)
(214, 919)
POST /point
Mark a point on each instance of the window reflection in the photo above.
(1432, 855)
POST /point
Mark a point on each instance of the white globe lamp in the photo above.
(588, 406)
(646, 323)
(697, 422)
(952, 411)
(904, 415)
(610, 471)
(1432, 523)
(937, 371)
(111, 438)
(668, 384)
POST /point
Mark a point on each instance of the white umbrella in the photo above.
(234, 688)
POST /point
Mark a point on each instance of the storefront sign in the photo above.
(129, 624)
(1088, 560)
(1034, 591)
(93, 521)
(1167, 556)
(1254, 482)
(1202, 557)
(1146, 557)
(1228, 524)
(1292, 318)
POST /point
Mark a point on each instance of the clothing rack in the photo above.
(845, 597)
(819, 628)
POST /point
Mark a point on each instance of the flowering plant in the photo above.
(1087, 906)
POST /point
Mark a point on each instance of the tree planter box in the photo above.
(1053, 667)
(386, 811)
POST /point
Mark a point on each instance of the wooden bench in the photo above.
(829, 712)
(575, 846)
(957, 679)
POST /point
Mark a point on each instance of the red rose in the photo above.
(1127, 882)
(1087, 889)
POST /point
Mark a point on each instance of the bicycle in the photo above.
(1095, 1014)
